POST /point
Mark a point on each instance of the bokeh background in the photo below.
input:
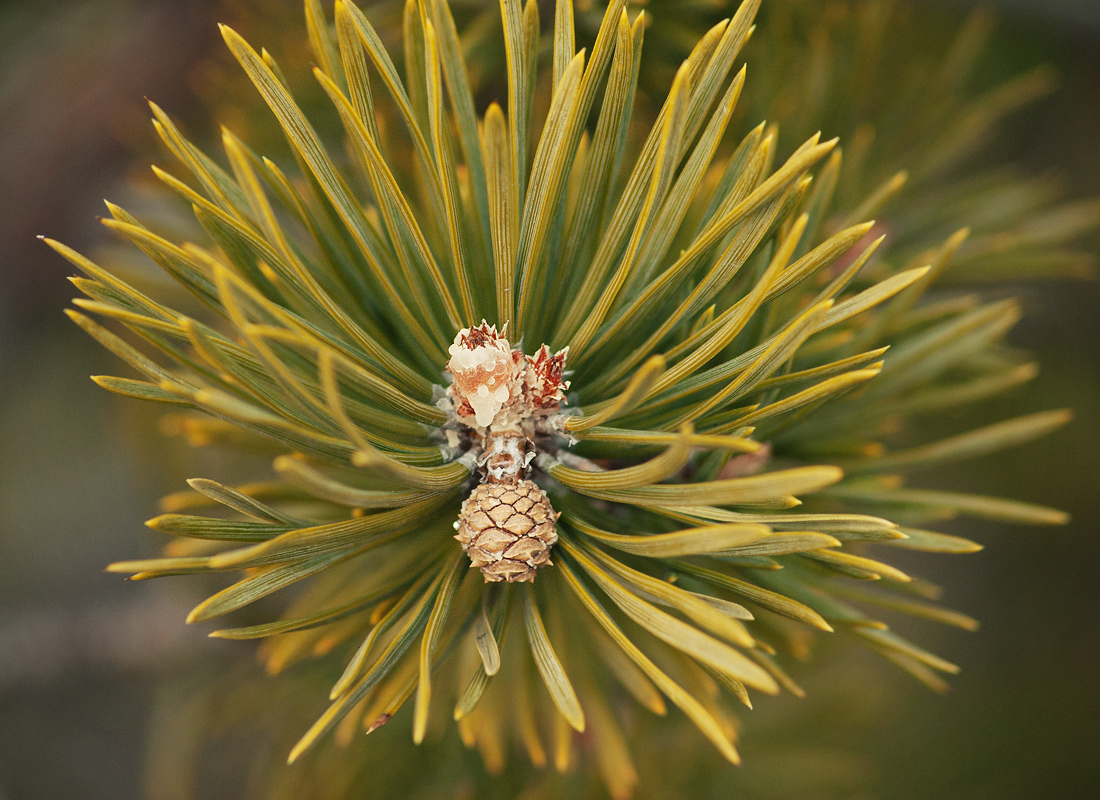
(87, 661)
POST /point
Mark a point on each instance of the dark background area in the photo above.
(82, 652)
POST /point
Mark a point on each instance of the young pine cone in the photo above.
(507, 530)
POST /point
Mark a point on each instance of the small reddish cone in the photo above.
(507, 529)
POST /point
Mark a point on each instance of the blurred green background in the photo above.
(83, 655)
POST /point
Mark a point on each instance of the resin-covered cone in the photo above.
(507, 529)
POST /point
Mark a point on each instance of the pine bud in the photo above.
(507, 524)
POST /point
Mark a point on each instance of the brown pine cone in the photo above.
(507, 529)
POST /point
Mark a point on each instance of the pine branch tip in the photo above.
(329, 354)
